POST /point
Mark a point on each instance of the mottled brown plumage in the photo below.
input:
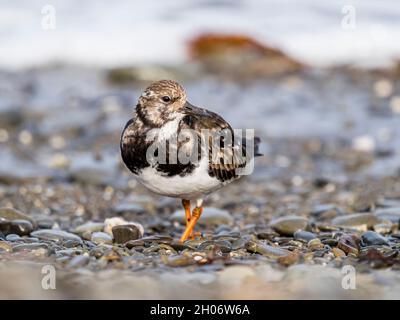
(215, 153)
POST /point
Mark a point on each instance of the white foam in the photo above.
(107, 33)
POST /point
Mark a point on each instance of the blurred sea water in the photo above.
(107, 33)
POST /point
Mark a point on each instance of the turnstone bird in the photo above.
(178, 150)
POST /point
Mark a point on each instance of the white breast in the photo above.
(191, 186)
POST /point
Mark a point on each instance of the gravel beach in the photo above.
(323, 201)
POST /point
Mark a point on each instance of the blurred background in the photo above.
(317, 80)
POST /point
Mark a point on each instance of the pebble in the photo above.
(14, 214)
(118, 221)
(266, 250)
(315, 244)
(13, 237)
(19, 227)
(101, 238)
(358, 221)
(373, 238)
(289, 259)
(304, 235)
(210, 216)
(288, 225)
(238, 244)
(55, 235)
(338, 253)
(124, 233)
(349, 243)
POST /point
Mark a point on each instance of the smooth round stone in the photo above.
(288, 225)
(304, 235)
(359, 221)
(13, 237)
(101, 238)
(373, 238)
(124, 233)
(13, 214)
(89, 227)
(210, 216)
(55, 235)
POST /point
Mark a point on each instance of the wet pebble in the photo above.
(55, 235)
(373, 238)
(101, 238)
(288, 225)
(124, 233)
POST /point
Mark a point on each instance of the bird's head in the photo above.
(161, 101)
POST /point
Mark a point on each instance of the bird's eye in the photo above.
(166, 99)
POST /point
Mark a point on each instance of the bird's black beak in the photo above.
(188, 106)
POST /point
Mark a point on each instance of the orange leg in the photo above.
(186, 205)
(189, 228)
